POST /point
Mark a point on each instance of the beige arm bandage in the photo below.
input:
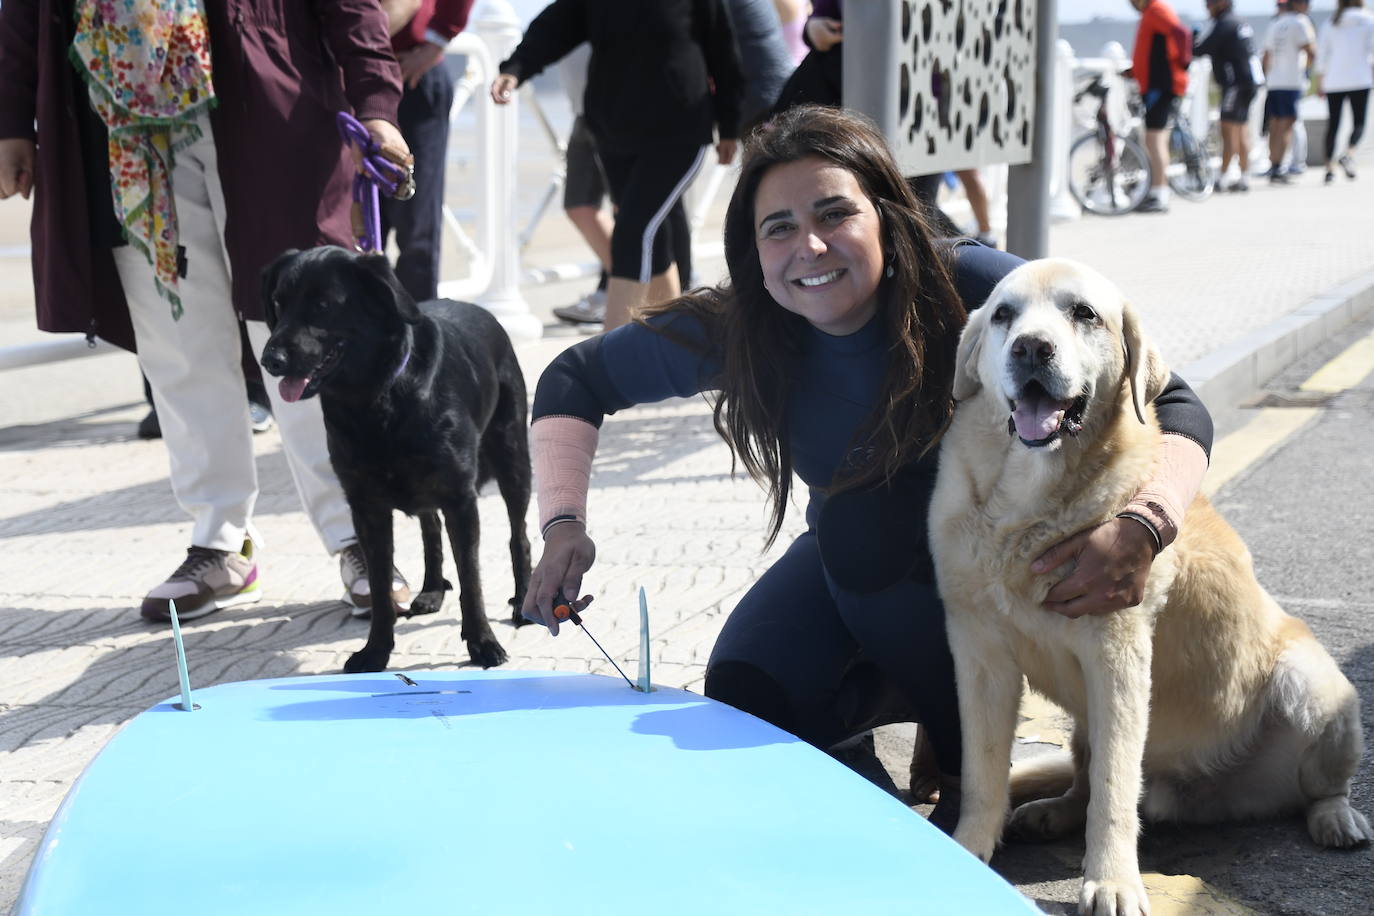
(561, 449)
(1166, 496)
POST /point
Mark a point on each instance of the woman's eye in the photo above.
(776, 229)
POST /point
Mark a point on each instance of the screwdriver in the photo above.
(563, 609)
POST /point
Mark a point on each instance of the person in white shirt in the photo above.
(1345, 73)
(1289, 49)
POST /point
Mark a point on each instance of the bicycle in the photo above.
(1190, 172)
(1109, 174)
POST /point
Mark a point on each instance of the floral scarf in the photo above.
(147, 67)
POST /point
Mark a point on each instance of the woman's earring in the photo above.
(889, 272)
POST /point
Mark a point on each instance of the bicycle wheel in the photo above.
(1108, 185)
(1190, 172)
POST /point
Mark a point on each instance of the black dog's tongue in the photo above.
(292, 388)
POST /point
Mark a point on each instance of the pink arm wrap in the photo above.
(561, 449)
(1167, 495)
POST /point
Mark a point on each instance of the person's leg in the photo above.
(1297, 147)
(193, 364)
(1157, 149)
(785, 656)
(644, 188)
(584, 188)
(594, 225)
(1228, 146)
(977, 199)
(418, 223)
(1359, 105)
(307, 455)
(1335, 101)
(1280, 128)
(680, 243)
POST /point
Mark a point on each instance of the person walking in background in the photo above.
(584, 189)
(420, 31)
(1345, 74)
(127, 147)
(1230, 42)
(650, 105)
(765, 60)
(977, 196)
(1289, 50)
(1159, 63)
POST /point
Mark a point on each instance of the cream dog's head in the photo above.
(1060, 344)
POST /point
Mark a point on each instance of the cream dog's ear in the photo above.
(1145, 366)
(966, 380)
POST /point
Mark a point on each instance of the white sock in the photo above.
(1160, 194)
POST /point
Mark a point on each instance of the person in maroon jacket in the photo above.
(420, 31)
(212, 174)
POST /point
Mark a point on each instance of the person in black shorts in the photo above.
(1230, 42)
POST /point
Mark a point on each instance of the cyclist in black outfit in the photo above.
(1230, 43)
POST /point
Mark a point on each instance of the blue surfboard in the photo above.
(483, 792)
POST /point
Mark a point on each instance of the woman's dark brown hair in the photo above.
(759, 341)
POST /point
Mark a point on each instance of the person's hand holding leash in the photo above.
(502, 87)
(16, 167)
(1110, 565)
(388, 139)
(568, 553)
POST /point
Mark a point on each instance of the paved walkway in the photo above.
(87, 523)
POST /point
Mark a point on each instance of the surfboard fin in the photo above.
(182, 674)
(645, 685)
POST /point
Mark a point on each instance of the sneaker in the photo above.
(986, 238)
(357, 591)
(149, 427)
(259, 416)
(1347, 165)
(1152, 204)
(1328, 177)
(590, 309)
(205, 582)
(1239, 186)
(1278, 177)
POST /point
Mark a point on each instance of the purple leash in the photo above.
(379, 174)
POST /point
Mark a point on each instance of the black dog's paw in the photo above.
(426, 603)
(516, 618)
(366, 659)
(487, 652)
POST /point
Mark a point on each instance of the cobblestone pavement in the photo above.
(88, 524)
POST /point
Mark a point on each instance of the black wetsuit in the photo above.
(846, 630)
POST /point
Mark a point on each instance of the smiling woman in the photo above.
(831, 356)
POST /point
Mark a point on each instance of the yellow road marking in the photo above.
(1272, 425)
(1346, 370)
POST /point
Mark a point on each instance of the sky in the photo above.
(1069, 10)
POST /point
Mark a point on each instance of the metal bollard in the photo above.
(1063, 207)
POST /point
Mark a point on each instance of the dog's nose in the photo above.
(1035, 350)
(274, 360)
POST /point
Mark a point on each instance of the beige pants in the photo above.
(193, 365)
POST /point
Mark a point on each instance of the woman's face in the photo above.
(820, 245)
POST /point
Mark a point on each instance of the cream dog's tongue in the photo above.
(291, 388)
(1037, 417)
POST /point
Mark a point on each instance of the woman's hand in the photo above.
(824, 32)
(502, 87)
(568, 553)
(1110, 565)
(16, 167)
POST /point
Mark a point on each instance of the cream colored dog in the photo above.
(1205, 702)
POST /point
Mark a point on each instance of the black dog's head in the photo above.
(334, 315)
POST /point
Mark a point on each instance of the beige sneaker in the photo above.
(357, 591)
(205, 582)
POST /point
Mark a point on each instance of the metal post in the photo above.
(1028, 186)
(497, 25)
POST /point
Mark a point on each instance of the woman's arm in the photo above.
(552, 34)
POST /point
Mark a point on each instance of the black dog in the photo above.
(422, 406)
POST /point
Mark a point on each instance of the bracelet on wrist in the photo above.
(1148, 525)
(558, 520)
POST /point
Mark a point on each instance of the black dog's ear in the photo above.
(380, 284)
(271, 276)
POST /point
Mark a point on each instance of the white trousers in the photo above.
(193, 365)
